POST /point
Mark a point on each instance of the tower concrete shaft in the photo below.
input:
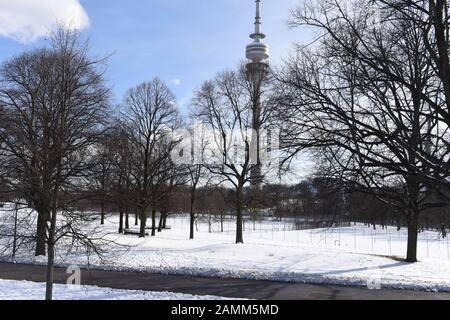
(256, 74)
(257, 71)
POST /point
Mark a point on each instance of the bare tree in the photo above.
(120, 152)
(54, 102)
(196, 170)
(102, 173)
(369, 127)
(151, 114)
(225, 107)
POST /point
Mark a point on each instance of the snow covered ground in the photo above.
(358, 238)
(25, 290)
(354, 255)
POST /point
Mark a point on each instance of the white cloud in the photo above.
(29, 20)
(176, 82)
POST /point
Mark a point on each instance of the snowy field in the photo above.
(359, 238)
(25, 290)
(355, 255)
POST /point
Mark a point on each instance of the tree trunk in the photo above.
(51, 254)
(239, 233)
(50, 271)
(153, 222)
(192, 220)
(413, 225)
(16, 211)
(127, 218)
(136, 217)
(160, 225)
(41, 236)
(165, 221)
(143, 218)
(102, 214)
(121, 221)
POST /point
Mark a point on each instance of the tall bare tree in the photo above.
(369, 126)
(196, 171)
(102, 173)
(54, 101)
(152, 115)
(224, 105)
(120, 152)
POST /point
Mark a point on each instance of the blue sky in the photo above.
(185, 42)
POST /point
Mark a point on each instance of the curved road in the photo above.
(231, 288)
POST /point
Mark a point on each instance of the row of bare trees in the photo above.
(61, 144)
(370, 98)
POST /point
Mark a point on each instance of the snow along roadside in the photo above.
(26, 290)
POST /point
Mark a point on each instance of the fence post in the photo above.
(260, 230)
(339, 237)
(390, 242)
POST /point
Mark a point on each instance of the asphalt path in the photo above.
(231, 288)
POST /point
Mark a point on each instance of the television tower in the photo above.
(257, 70)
